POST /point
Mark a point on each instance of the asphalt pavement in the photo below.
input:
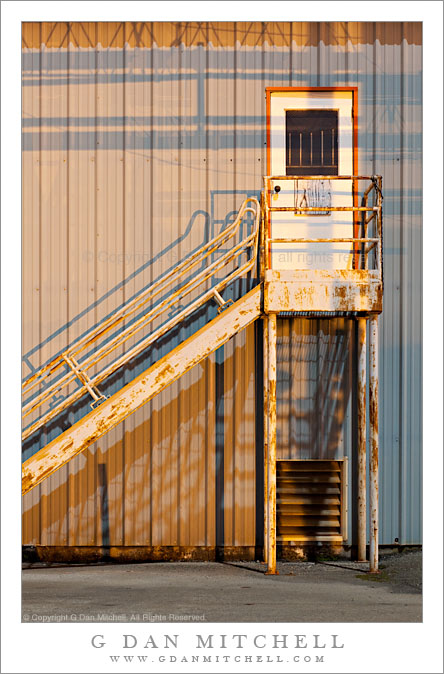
(196, 592)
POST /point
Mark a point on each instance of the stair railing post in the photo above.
(374, 442)
(362, 478)
(271, 481)
(266, 412)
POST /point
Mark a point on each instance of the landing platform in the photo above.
(317, 290)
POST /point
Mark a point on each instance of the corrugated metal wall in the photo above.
(314, 388)
(139, 141)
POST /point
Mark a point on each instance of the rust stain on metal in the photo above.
(34, 472)
(300, 294)
(271, 478)
(166, 370)
(374, 443)
(266, 412)
(361, 394)
(69, 554)
(374, 407)
(340, 292)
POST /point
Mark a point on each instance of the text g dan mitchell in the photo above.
(221, 641)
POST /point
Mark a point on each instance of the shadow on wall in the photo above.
(138, 364)
(179, 117)
(156, 483)
(313, 388)
(211, 227)
(144, 267)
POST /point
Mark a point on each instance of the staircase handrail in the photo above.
(78, 370)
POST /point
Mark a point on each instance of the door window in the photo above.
(311, 142)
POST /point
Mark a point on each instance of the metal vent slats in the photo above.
(310, 500)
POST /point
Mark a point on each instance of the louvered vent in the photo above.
(310, 504)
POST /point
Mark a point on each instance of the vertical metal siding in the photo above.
(139, 142)
(314, 388)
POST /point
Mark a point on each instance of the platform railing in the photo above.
(364, 215)
(74, 364)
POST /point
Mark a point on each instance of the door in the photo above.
(311, 133)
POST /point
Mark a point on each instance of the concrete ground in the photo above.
(193, 592)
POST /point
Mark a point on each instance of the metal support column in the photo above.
(266, 412)
(271, 478)
(374, 442)
(362, 357)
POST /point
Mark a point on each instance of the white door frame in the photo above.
(335, 224)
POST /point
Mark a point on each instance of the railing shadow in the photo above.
(116, 288)
(128, 371)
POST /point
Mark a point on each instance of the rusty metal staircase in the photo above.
(89, 361)
(354, 290)
(144, 387)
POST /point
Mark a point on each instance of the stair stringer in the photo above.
(141, 389)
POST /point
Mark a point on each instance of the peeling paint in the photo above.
(271, 428)
(362, 477)
(374, 442)
(320, 293)
(266, 413)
